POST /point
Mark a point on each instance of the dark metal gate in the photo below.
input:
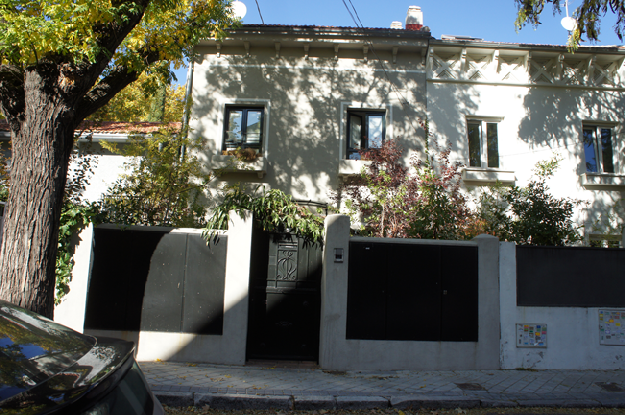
(285, 299)
(418, 292)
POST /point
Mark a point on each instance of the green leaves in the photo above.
(530, 215)
(273, 211)
(78, 30)
(74, 218)
(164, 186)
(588, 16)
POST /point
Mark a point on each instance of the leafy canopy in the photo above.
(588, 16)
(74, 28)
(164, 185)
(135, 102)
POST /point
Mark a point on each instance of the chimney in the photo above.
(396, 25)
(414, 18)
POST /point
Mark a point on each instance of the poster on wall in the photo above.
(611, 329)
(531, 335)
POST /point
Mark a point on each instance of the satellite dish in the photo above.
(569, 23)
(238, 9)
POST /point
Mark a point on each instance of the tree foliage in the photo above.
(272, 210)
(588, 16)
(423, 201)
(164, 185)
(60, 61)
(426, 201)
(139, 100)
(530, 215)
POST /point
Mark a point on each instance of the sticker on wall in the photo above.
(531, 335)
(611, 329)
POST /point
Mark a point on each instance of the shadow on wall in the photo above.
(449, 104)
(156, 280)
(554, 120)
(303, 144)
(554, 116)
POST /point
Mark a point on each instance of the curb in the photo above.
(355, 402)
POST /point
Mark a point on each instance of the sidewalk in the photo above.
(253, 387)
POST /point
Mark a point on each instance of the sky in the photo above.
(490, 20)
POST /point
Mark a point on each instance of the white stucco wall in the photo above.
(572, 332)
(306, 100)
(71, 310)
(536, 120)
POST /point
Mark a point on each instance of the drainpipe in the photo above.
(187, 104)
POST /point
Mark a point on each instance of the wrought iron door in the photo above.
(285, 301)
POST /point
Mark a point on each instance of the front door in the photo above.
(285, 302)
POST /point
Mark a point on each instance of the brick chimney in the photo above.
(414, 18)
(396, 25)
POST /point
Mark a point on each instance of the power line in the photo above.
(259, 13)
(404, 102)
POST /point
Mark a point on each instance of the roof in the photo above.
(116, 127)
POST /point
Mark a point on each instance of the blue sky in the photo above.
(491, 20)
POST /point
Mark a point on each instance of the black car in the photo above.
(46, 367)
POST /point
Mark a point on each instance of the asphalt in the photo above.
(263, 385)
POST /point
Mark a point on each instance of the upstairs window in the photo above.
(598, 149)
(244, 128)
(365, 130)
(483, 143)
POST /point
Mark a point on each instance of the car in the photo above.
(46, 367)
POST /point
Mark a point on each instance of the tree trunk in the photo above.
(40, 156)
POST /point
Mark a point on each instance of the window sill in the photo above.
(487, 175)
(349, 168)
(605, 180)
(231, 165)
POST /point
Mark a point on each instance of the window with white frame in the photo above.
(366, 129)
(483, 141)
(244, 128)
(598, 143)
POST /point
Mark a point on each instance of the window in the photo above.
(598, 149)
(244, 128)
(483, 143)
(365, 130)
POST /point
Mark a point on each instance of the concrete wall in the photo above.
(572, 332)
(306, 100)
(228, 348)
(340, 354)
(71, 310)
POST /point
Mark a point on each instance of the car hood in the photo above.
(46, 366)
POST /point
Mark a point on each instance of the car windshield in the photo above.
(33, 348)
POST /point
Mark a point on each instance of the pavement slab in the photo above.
(284, 386)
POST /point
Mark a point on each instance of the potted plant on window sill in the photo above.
(243, 154)
(240, 160)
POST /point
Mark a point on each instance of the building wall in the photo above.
(306, 101)
(537, 118)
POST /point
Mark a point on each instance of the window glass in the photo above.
(606, 150)
(475, 145)
(366, 130)
(375, 131)
(253, 132)
(233, 135)
(492, 145)
(355, 133)
(244, 128)
(589, 150)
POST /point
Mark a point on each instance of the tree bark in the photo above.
(41, 147)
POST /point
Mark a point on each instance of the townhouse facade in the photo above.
(306, 99)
